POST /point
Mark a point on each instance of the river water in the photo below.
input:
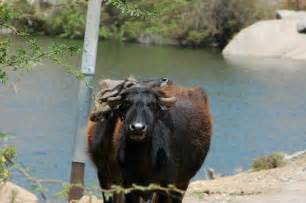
(259, 105)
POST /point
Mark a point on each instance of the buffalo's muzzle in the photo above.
(137, 131)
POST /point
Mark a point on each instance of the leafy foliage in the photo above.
(6, 13)
(24, 59)
(198, 22)
(21, 15)
(7, 153)
(69, 22)
(130, 9)
(65, 20)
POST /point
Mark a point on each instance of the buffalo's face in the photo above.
(141, 107)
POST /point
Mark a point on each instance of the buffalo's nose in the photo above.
(138, 127)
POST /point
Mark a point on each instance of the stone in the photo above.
(88, 199)
(301, 26)
(270, 38)
(10, 192)
(5, 31)
(290, 15)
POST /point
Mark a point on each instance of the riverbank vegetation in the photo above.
(7, 153)
(274, 160)
(195, 23)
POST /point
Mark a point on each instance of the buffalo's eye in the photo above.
(126, 105)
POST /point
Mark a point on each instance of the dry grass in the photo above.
(274, 160)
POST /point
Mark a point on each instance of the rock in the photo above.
(9, 192)
(294, 15)
(211, 174)
(301, 26)
(270, 38)
(5, 31)
(290, 15)
(88, 199)
(295, 155)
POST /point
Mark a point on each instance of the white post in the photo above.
(84, 97)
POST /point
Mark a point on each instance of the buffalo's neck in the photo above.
(138, 152)
(136, 161)
(152, 153)
(139, 160)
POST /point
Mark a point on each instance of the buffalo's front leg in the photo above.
(132, 198)
(105, 186)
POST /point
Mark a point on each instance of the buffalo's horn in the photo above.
(107, 108)
(129, 83)
(109, 94)
(113, 101)
(167, 101)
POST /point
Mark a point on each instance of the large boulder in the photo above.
(5, 31)
(301, 26)
(9, 192)
(88, 199)
(294, 15)
(290, 15)
(270, 38)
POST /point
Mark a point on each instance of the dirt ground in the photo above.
(282, 185)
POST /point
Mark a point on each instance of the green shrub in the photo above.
(274, 160)
(7, 154)
(209, 22)
(69, 22)
(197, 22)
(131, 30)
(6, 13)
(21, 15)
(105, 33)
(25, 18)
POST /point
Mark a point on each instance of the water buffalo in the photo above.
(153, 133)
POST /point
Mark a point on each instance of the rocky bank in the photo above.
(283, 38)
(281, 185)
(12, 193)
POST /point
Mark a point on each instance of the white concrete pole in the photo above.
(84, 97)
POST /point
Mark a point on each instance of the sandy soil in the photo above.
(281, 185)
